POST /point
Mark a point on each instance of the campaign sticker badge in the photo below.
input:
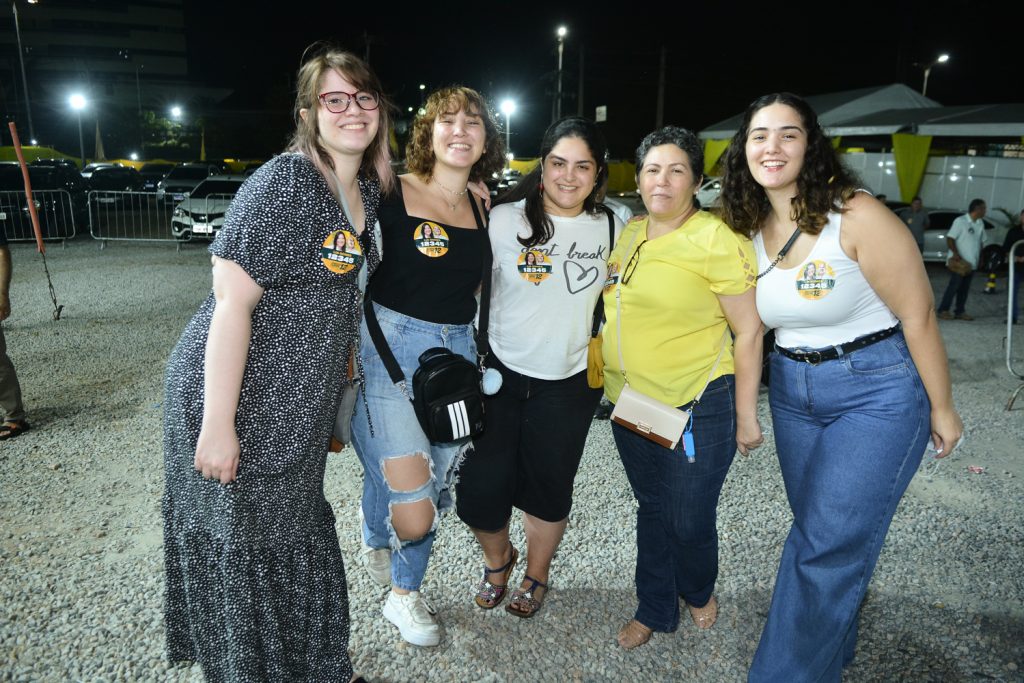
(534, 266)
(815, 280)
(341, 252)
(613, 277)
(431, 239)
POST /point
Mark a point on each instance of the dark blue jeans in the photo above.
(676, 524)
(959, 285)
(850, 434)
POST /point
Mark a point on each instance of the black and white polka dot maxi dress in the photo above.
(255, 587)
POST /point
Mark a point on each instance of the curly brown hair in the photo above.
(419, 151)
(318, 60)
(824, 183)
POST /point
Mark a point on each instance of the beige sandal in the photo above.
(705, 616)
(633, 634)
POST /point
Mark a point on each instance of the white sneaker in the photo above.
(377, 562)
(414, 617)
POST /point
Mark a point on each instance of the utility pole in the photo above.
(579, 93)
(24, 81)
(659, 117)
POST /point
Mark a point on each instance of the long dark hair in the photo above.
(824, 183)
(542, 229)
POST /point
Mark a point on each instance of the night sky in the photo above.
(718, 60)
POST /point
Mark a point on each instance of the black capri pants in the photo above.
(529, 452)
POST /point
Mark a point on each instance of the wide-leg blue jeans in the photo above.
(850, 434)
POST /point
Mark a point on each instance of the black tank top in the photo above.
(429, 270)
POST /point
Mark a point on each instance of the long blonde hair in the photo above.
(306, 139)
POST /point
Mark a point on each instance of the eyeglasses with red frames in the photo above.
(338, 101)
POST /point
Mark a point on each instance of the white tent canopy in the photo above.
(976, 120)
(833, 108)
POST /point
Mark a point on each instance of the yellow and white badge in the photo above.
(534, 266)
(431, 239)
(341, 252)
(815, 280)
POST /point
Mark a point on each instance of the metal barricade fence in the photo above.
(1012, 307)
(153, 217)
(136, 216)
(56, 209)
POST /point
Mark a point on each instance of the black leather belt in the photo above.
(833, 352)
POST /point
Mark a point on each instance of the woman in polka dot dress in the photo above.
(255, 582)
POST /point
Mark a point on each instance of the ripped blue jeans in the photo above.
(396, 433)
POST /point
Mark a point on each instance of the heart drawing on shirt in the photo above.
(578, 278)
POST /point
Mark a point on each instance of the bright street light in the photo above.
(941, 59)
(176, 111)
(77, 102)
(508, 107)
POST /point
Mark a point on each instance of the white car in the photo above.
(710, 192)
(201, 212)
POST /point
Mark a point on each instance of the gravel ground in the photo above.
(80, 537)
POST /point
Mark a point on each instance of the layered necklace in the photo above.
(457, 195)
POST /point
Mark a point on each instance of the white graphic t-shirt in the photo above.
(543, 297)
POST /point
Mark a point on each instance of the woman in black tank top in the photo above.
(423, 296)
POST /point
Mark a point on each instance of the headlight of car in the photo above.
(180, 212)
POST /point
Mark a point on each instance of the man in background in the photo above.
(916, 218)
(965, 239)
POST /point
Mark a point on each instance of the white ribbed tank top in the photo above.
(826, 301)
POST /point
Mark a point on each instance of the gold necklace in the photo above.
(458, 195)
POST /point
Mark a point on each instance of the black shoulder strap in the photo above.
(379, 342)
(599, 308)
(482, 347)
(377, 335)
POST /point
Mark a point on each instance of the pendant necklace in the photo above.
(458, 195)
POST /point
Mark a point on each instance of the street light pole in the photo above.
(77, 102)
(507, 108)
(561, 42)
(942, 59)
(21, 60)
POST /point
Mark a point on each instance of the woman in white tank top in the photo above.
(859, 379)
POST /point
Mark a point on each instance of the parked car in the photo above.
(997, 224)
(114, 179)
(181, 179)
(152, 174)
(710, 192)
(201, 213)
(89, 168)
(56, 210)
(70, 163)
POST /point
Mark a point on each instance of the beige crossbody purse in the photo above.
(663, 424)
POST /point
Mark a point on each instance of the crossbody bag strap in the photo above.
(599, 307)
(482, 347)
(380, 342)
(618, 314)
(721, 350)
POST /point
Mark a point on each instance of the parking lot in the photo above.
(81, 589)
